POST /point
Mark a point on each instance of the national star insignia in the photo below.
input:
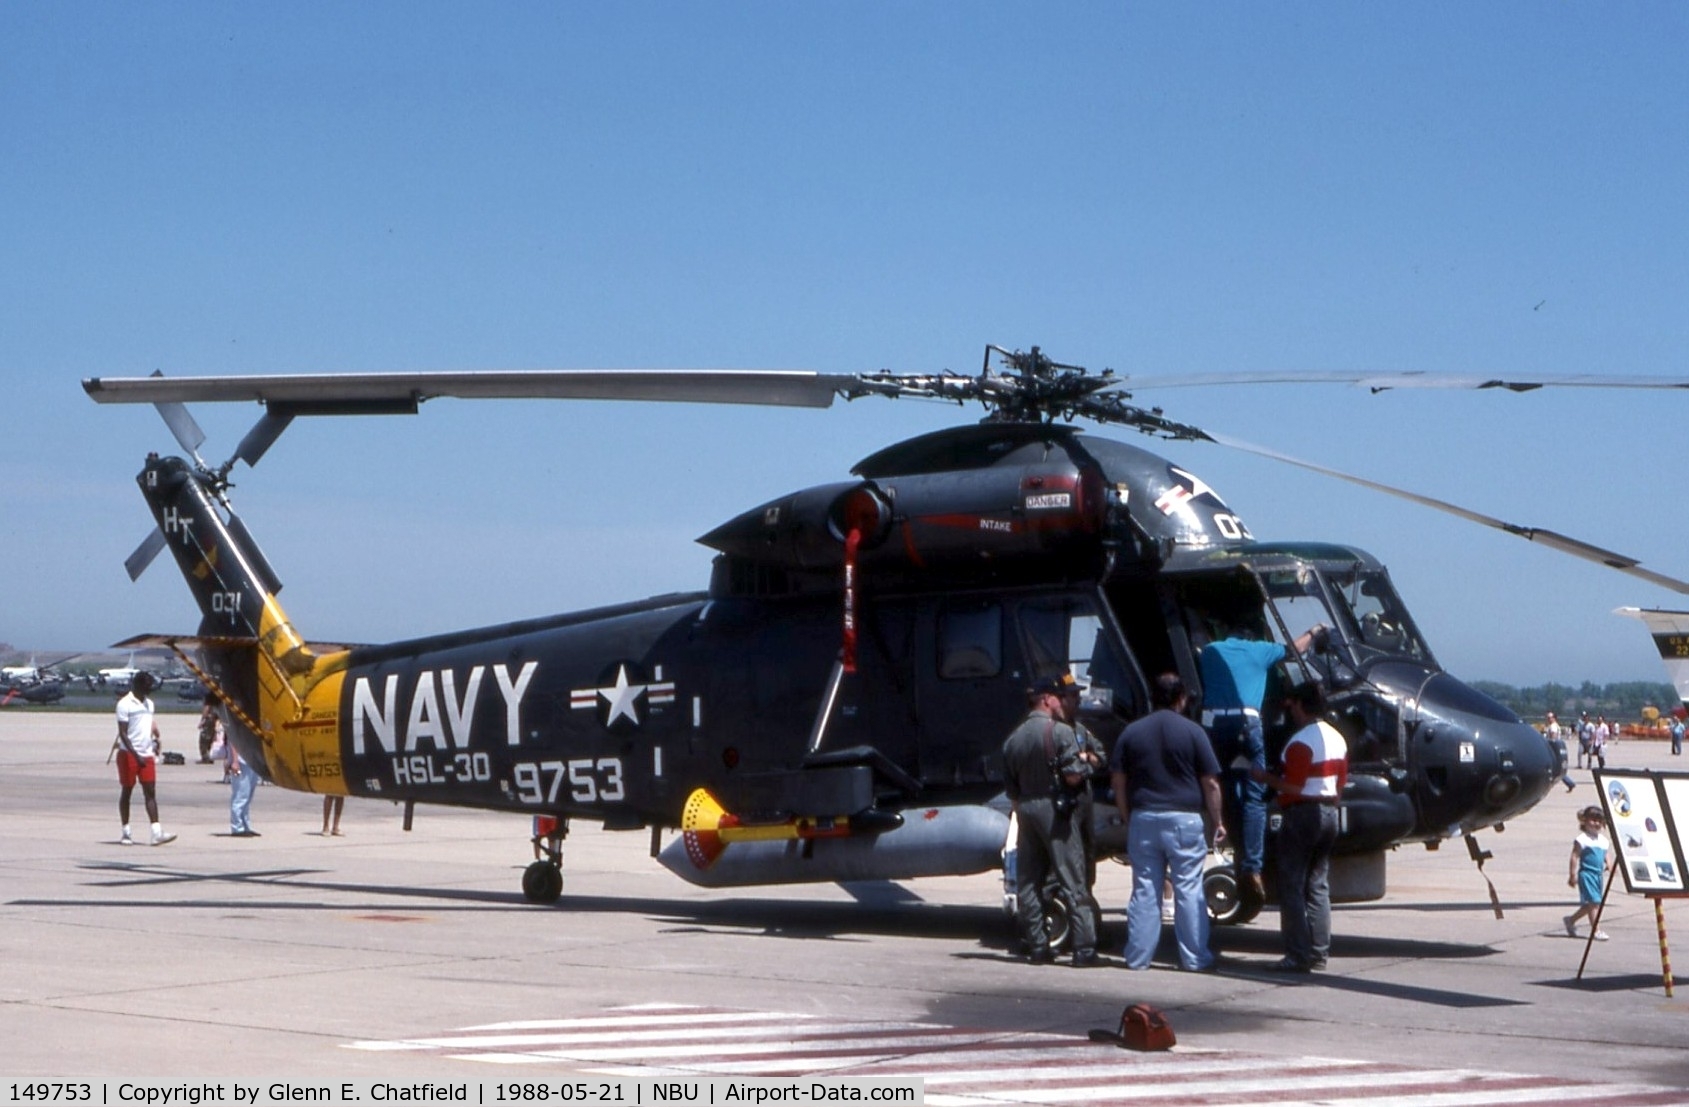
(622, 697)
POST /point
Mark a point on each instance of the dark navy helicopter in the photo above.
(832, 707)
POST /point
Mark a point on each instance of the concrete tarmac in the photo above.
(222, 957)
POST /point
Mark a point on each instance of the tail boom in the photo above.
(283, 697)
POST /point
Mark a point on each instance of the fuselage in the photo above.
(862, 650)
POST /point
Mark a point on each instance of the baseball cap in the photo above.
(1059, 684)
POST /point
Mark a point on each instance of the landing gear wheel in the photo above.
(542, 882)
(1058, 923)
(1224, 896)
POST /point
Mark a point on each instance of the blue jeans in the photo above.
(1246, 801)
(1163, 845)
(241, 785)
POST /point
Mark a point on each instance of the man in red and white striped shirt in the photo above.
(1316, 766)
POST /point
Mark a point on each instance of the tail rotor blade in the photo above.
(181, 422)
(261, 437)
(137, 562)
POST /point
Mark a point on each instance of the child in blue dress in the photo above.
(1588, 867)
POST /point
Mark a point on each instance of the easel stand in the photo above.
(1665, 952)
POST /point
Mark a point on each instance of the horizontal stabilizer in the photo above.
(211, 641)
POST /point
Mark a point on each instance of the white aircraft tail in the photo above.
(1671, 636)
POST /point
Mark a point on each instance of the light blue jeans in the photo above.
(241, 785)
(1163, 845)
(1246, 801)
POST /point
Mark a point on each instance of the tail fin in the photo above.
(278, 690)
(1671, 636)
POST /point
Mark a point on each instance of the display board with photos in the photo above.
(1640, 808)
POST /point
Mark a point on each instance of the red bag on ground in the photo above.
(1145, 1027)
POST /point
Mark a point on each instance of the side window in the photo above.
(970, 641)
(1069, 634)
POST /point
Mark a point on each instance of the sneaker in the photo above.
(1086, 959)
(162, 839)
(1040, 955)
(1290, 964)
(126, 841)
(1571, 927)
(1600, 935)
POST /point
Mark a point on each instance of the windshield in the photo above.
(1374, 619)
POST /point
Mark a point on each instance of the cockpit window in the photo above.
(1375, 621)
(1300, 602)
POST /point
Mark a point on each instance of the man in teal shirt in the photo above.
(1234, 684)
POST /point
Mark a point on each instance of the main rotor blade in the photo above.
(1383, 382)
(1549, 538)
(335, 393)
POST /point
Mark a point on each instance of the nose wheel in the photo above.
(1230, 901)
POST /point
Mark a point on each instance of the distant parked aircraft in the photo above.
(1671, 636)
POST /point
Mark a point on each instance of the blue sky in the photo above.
(1159, 189)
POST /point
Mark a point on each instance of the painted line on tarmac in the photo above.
(965, 1067)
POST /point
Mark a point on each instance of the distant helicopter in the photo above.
(39, 692)
(832, 707)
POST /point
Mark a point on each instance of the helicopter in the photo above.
(40, 692)
(831, 707)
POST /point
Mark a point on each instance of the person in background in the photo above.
(137, 756)
(332, 807)
(208, 726)
(243, 778)
(1551, 731)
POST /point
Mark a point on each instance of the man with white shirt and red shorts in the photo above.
(137, 756)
